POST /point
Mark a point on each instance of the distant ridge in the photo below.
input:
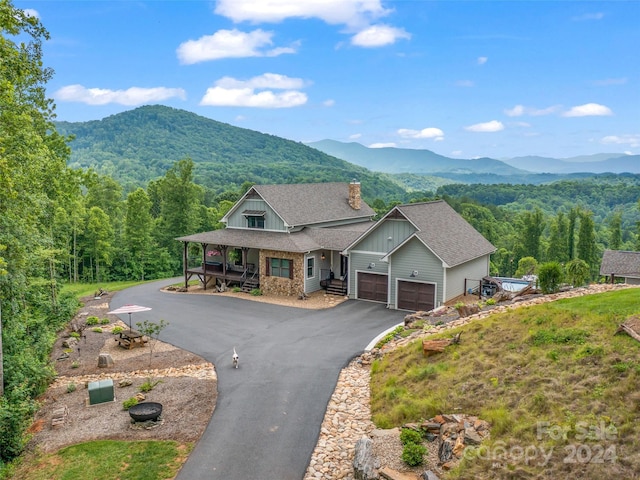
(597, 163)
(404, 160)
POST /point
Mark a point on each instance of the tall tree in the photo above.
(99, 236)
(179, 206)
(615, 231)
(558, 239)
(531, 232)
(586, 247)
(571, 234)
(138, 231)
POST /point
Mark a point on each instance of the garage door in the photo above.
(372, 286)
(416, 296)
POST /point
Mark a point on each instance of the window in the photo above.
(280, 267)
(311, 263)
(255, 222)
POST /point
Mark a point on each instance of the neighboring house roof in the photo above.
(441, 229)
(621, 263)
(306, 240)
(309, 203)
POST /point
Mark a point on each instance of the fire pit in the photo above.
(145, 411)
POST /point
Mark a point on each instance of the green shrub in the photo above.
(236, 289)
(75, 335)
(75, 364)
(550, 277)
(92, 320)
(96, 329)
(490, 302)
(117, 329)
(149, 385)
(412, 454)
(71, 387)
(129, 402)
(105, 321)
(408, 436)
(256, 292)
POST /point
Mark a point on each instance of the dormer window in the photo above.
(255, 218)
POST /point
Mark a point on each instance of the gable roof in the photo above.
(621, 263)
(308, 203)
(441, 229)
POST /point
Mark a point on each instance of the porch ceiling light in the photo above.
(322, 257)
(414, 273)
(371, 265)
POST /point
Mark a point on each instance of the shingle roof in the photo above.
(311, 203)
(445, 232)
(620, 263)
(305, 240)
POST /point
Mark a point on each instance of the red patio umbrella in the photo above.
(130, 309)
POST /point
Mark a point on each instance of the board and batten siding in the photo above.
(415, 256)
(472, 270)
(312, 284)
(271, 220)
(386, 236)
(359, 262)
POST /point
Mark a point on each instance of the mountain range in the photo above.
(139, 145)
(403, 160)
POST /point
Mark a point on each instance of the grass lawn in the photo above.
(85, 289)
(108, 460)
(560, 389)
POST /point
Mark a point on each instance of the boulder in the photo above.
(364, 462)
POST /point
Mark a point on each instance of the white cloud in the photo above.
(456, 153)
(30, 12)
(355, 136)
(378, 36)
(516, 111)
(353, 13)
(610, 81)
(229, 44)
(329, 102)
(492, 126)
(230, 92)
(588, 16)
(633, 140)
(383, 145)
(129, 97)
(519, 110)
(482, 60)
(588, 110)
(464, 83)
(430, 132)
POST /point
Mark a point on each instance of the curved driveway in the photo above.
(269, 411)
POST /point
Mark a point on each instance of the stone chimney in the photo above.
(354, 195)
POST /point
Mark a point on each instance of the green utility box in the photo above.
(101, 391)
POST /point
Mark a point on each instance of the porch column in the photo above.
(245, 254)
(204, 264)
(223, 250)
(184, 264)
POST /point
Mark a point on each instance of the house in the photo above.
(283, 239)
(417, 257)
(619, 263)
(297, 239)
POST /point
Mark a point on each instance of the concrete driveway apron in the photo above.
(269, 411)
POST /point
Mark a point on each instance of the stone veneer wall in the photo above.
(278, 285)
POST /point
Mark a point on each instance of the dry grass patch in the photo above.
(557, 385)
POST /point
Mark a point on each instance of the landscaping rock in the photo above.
(364, 462)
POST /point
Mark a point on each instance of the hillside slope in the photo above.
(141, 144)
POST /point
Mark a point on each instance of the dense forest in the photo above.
(96, 208)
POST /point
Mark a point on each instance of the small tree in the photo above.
(151, 330)
(550, 277)
(526, 266)
(577, 272)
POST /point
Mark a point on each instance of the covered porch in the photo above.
(222, 266)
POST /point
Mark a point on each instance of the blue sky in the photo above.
(462, 78)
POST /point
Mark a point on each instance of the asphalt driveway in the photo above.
(269, 411)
